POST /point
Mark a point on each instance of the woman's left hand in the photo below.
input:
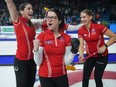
(102, 49)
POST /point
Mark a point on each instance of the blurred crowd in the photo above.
(103, 9)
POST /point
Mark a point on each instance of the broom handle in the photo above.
(86, 58)
(90, 56)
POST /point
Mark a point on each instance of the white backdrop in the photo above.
(9, 47)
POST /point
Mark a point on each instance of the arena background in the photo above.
(8, 45)
(104, 13)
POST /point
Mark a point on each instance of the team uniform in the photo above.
(54, 50)
(24, 64)
(52, 68)
(93, 40)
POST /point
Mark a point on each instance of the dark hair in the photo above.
(21, 8)
(59, 15)
(90, 13)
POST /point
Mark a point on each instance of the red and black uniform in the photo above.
(93, 37)
(53, 65)
(24, 65)
(93, 40)
(54, 50)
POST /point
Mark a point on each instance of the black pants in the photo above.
(61, 81)
(99, 64)
(25, 71)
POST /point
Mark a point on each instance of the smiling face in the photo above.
(85, 19)
(52, 21)
(27, 12)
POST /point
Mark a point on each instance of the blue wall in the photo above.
(4, 60)
(113, 27)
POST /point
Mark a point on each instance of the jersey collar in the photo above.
(25, 19)
(51, 33)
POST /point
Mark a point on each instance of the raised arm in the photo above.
(38, 56)
(12, 10)
(74, 27)
(38, 52)
(37, 22)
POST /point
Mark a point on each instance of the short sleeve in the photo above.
(102, 28)
(65, 26)
(40, 37)
(44, 26)
(18, 21)
(80, 33)
(68, 40)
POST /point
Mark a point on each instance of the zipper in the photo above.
(88, 32)
(56, 44)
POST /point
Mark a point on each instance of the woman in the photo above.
(52, 52)
(92, 34)
(24, 65)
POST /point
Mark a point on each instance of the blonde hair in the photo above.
(89, 12)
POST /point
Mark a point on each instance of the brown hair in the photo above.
(89, 12)
(21, 8)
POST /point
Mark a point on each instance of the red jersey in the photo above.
(24, 36)
(54, 50)
(93, 37)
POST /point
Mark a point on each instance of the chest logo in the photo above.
(48, 42)
(85, 35)
(62, 39)
(93, 31)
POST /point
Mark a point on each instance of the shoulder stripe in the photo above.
(17, 23)
(104, 29)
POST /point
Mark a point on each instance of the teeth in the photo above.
(30, 14)
(50, 24)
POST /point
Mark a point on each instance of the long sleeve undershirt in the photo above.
(68, 56)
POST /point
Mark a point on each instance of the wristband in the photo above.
(106, 45)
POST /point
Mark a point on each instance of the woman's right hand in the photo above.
(80, 57)
(36, 44)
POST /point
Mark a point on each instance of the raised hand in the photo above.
(36, 44)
